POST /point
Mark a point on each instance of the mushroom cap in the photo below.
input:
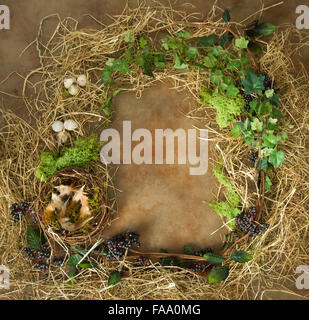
(70, 125)
(68, 82)
(58, 126)
(73, 90)
(82, 80)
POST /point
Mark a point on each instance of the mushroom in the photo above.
(58, 126)
(73, 90)
(82, 80)
(70, 125)
(63, 136)
(68, 82)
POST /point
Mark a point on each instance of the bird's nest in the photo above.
(95, 190)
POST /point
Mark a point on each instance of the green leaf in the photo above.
(241, 256)
(213, 258)
(253, 47)
(74, 259)
(241, 43)
(142, 42)
(269, 140)
(129, 37)
(85, 265)
(216, 77)
(188, 250)
(226, 16)
(218, 274)
(207, 41)
(276, 158)
(265, 29)
(275, 100)
(211, 61)
(226, 38)
(183, 35)
(277, 114)
(253, 83)
(268, 183)
(73, 272)
(236, 131)
(232, 91)
(107, 77)
(159, 61)
(262, 164)
(178, 64)
(121, 65)
(114, 278)
(192, 53)
(34, 238)
(257, 125)
(269, 93)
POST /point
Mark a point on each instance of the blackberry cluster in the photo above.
(248, 98)
(44, 253)
(245, 223)
(253, 157)
(268, 83)
(142, 261)
(197, 267)
(29, 253)
(18, 211)
(42, 266)
(118, 245)
(58, 261)
(200, 253)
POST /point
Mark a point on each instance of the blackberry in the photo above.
(43, 267)
(268, 83)
(18, 211)
(200, 253)
(197, 267)
(29, 253)
(253, 157)
(253, 211)
(58, 261)
(142, 261)
(118, 245)
(24, 206)
(245, 223)
(248, 98)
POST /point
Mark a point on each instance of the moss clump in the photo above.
(227, 209)
(227, 108)
(85, 151)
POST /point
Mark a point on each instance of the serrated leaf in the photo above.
(183, 35)
(192, 53)
(216, 77)
(114, 278)
(269, 93)
(232, 91)
(241, 43)
(213, 257)
(276, 158)
(218, 274)
(210, 61)
(207, 41)
(74, 259)
(257, 125)
(241, 256)
(107, 77)
(178, 64)
(236, 131)
(265, 29)
(269, 140)
(121, 65)
(142, 42)
(253, 83)
(188, 250)
(129, 37)
(34, 238)
(226, 16)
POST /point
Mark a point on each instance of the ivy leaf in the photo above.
(74, 259)
(264, 29)
(178, 64)
(269, 140)
(213, 258)
(121, 65)
(257, 125)
(188, 250)
(236, 131)
(211, 61)
(216, 77)
(241, 256)
(34, 238)
(253, 47)
(218, 274)
(226, 38)
(107, 77)
(226, 16)
(159, 61)
(275, 100)
(276, 158)
(277, 114)
(262, 164)
(268, 183)
(192, 53)
(207, 41)
(183, 35)
(253, 83)
(241, 43)
(114, 278)
(129, 37)
(269, 93)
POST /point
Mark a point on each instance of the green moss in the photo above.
(85, 151)
(227, 108)
(226, 209)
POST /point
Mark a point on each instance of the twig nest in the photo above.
(68, 82)
(62, 137)
(70, 125)
(74, 90)
(58, 126)
(82, 80)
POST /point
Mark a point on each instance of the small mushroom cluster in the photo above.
(62, 128)
(72, 84)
